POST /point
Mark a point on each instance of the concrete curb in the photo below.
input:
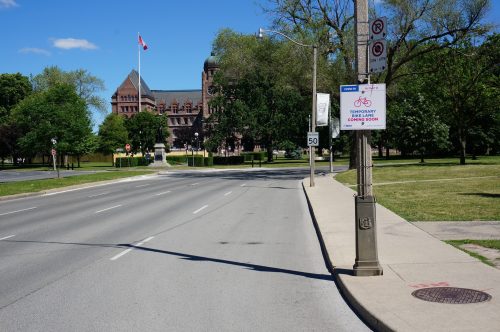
(368, 317)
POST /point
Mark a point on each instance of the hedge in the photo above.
(176, 160)
(132, 161)
(231, 160)
(249, 156)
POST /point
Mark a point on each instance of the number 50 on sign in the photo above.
(312, 139)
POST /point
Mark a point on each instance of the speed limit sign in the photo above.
(312, 139)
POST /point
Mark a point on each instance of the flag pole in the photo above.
(139, 52)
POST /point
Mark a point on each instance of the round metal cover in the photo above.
(451, 295)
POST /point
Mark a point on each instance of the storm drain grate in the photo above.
(451, 295)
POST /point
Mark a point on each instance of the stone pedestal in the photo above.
(159, 155)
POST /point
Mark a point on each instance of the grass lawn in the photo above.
(11, 188)
(438, 191)
(493, 244)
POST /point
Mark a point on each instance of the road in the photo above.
(186, 251)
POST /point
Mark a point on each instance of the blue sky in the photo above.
(101, 37)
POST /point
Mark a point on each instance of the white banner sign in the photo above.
(322, 109)
(362, 107)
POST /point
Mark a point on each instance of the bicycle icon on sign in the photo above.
(362, 101)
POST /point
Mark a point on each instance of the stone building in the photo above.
(185, 109)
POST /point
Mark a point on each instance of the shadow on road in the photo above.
(193, 258)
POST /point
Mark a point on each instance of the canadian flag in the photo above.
(142, 43)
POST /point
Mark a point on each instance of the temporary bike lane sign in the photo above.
(362, 107)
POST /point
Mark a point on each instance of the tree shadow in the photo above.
(487, 195)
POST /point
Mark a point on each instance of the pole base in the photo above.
(367, 269)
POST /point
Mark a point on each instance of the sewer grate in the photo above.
(451, 295)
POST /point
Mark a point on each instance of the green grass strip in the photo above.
(12, 188)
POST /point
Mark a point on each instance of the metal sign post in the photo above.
(366, 262)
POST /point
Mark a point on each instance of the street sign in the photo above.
(54, 152)
(127, 147)
(378, 28)
(378, 56)
(312, 139)
(362, 107)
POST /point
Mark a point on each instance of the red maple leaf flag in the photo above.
(142, 43)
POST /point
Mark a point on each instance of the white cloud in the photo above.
(69, 43)
(8, 3)
(34, 50)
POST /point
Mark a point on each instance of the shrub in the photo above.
(231, 160)
(249, 156)
(176, 160)
(132, 161)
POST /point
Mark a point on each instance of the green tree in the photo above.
(416, 28)
(465, 81)
(417, 126)
(112, 134)
(56, 113)
(85, 85)
(143, 130)
(13, 89)
(260, 97)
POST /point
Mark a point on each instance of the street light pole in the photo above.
(313, 117)
(366, 263)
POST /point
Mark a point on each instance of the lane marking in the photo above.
(7, 237)
(163, 193)
(106, 209)
(228, 193)
(203, 207)
(194, 184)
(11, 212)
(244, 184)
(142, 185)
(130, 249)
(104, 193)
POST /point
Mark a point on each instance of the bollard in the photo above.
(67, 166)
(72, 166)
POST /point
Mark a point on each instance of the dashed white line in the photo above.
(194, 184)
(244, 184)
(130, 249)
(163, 193)
(203, 207)
(96, 195)
(11, 212)
(142, 185)
(228, 193)
(6, 237)
(106, 209)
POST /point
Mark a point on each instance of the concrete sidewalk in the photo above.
(411, 259)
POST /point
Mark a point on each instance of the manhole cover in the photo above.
(452, 295)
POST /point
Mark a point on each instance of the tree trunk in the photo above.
(461, 138)
(387, 152)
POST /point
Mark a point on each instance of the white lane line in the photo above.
(96, 195)
(106, 209)
(142, 185)
(194, 184)
(163, 193)
(228, 193)
(203, 207)
(244, 184)
(11, 212)
(130, 249)
(7, 237)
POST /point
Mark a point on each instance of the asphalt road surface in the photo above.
(186, 251)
